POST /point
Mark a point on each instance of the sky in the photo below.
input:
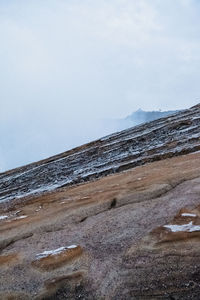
(67, 67)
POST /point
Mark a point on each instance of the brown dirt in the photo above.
(118, 222)
(52, 262)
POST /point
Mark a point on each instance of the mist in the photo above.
(67, 67)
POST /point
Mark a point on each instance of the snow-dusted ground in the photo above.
(3, 217)
(188, 215)
(54, 252)
(167, 137)
(183, 228)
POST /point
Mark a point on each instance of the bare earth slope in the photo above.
(131, 235)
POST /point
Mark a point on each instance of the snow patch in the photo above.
(188, 215)
(72, 247)
(183, 228)
(3, 217)
(21, 217)
(54, 252)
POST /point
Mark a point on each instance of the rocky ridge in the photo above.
(167, 137)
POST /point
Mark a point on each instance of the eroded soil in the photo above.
(117, 223)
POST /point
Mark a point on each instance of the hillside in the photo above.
(118, 218)
(162, 138)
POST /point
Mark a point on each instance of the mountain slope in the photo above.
(167, 137)
(132, 235)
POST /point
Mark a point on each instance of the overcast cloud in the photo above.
(67, 65)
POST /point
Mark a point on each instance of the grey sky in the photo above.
(66, 65)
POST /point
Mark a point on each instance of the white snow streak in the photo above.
(21, 217)
(188, 215)
(183, 228)
(54, 252)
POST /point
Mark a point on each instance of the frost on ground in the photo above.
(3, 217)
(188, 215)
(54, 252)
(21, 217)
(16, 218)
(183, 228)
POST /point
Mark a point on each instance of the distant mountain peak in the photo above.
(142, 116)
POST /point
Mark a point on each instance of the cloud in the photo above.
(66, 65)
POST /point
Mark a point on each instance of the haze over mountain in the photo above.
(67, 65)
(25, 145)
(140, 116)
